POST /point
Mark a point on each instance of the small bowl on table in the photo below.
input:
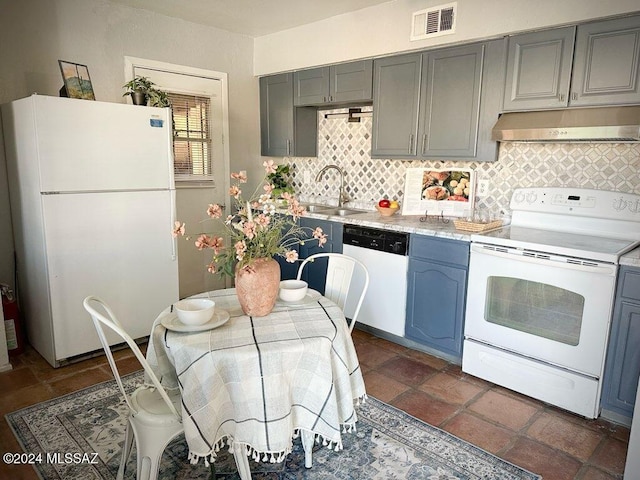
(387, 211)
(195, 311)
(293, 290)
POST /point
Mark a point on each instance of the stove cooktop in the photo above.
(584, 223)
(578, 245)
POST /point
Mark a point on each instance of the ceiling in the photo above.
(251, 17)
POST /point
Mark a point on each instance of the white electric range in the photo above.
(541, 293)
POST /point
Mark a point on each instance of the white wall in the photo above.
(385, 29)
(35, 34)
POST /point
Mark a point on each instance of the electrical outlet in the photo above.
(306, 176)
(483, 188)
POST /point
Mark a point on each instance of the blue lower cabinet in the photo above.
(436, 293)
(622, 366)
(315, 274)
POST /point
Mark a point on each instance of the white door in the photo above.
(555, 310)
(116, 245)
(97, 146)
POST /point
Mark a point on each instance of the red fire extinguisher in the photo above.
(12, 323)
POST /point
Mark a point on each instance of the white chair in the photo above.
(340, 288)
(340, 285)
(154, 414)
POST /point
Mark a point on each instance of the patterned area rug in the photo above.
(79, 436)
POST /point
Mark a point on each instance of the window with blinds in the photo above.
(191, 137)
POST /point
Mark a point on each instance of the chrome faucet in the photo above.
(343, 197)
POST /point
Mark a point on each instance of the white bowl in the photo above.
(195, 311)
(293, 290)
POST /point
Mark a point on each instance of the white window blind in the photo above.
(191, 137)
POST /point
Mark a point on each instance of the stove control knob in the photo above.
(519, 197)
(532, 197)
(619, 203)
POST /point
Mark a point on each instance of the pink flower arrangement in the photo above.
(256, 230)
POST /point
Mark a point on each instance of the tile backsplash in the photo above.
(603, 166)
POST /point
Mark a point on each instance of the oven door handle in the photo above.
(540, 259)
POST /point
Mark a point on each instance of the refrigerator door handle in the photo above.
(174, 241)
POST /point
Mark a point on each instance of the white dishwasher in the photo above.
(384, 253)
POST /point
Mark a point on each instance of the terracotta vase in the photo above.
(257, 286)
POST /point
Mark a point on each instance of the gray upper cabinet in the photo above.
(593, 64)
(431, 105)
(396, 99)
(284, 129)
(539, 70)
(607, 63)
(450, 105)
(347, 82)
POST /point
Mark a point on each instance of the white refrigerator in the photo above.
(92, 202)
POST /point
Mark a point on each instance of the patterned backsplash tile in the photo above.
(603, 166)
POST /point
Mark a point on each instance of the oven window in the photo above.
(536, 308)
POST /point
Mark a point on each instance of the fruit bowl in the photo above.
(387, 211)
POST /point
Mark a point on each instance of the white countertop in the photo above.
(631, 258)
(399, 223)
(432, 227)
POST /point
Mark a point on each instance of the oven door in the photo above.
(550, 308)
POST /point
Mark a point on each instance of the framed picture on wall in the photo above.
(76, 80)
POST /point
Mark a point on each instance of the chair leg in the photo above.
(307, 444)
(150, 445)
(242, 461)
(126, 450)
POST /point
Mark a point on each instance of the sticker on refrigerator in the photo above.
(156, 122)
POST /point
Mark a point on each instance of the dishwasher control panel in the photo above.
(376, 239)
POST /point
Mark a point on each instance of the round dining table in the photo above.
(254, 384)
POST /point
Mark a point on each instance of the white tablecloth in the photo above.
(262, 381)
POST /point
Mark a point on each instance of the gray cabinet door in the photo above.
(539, 69)
(346, 82)
(276, 115)
(491, 94)
(436, 293)
(606, 68)
(315, 273)
(450, 104)
(351, 82)
(311, 87)
(285, 130)
(396, 95)
(622, 366)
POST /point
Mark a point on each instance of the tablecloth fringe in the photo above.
(274, 456)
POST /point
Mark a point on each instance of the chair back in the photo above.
(340, 286)
(103, 316)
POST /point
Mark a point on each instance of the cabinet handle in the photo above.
(424, 143)
(324, 99)
(288, 147)
(561, 97)
(574, 96)
(411, 143)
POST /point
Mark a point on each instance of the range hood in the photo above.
(601, 124)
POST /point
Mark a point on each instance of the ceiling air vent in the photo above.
(434, 21)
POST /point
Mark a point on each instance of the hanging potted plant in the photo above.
(138, 89)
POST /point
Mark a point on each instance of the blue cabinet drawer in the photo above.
(630, 280)
(440, 250)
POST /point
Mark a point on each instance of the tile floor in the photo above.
(543, 439)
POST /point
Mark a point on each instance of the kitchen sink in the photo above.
(333, 210)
